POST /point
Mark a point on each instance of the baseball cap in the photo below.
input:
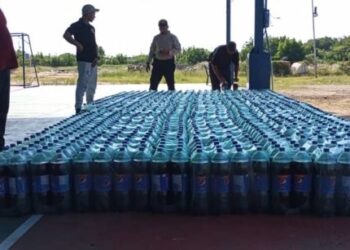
(163, 22)
(88, 8)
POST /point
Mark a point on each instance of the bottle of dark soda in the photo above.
(122, 180)
(141, 179)
(19, 195)
(40, 178)
(343, 184)
(60, 175)
(260, 197)
(301, 168)
(180, 180)
(4, 187)
(325, 179)
(102, 181)
(200, 169)
(281, 182)
(240, 172)
(160, 176)
(220, 182)
(82, 181)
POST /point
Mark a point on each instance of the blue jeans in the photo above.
(87, 81)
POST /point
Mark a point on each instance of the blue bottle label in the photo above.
(180, 183)
(302, 183)
(201, 184)
(160, 183)
(41, 184)
(3, 187)
(345, 185)
(240, 183)
(282, 183)
(325, 185)
(102, 183)
(141, 183)
(18, 185)
(60, 183)
(261, 183)
(222, 184)
(122, 183)
(82, 183)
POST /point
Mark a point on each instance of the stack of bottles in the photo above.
(203, 152)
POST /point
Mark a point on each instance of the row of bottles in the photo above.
(204, 152)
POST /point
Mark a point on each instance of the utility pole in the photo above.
(314, 14)
(228, 21)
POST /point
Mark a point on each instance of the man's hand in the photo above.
(148, 67)
(79, 46)
(94, 63)
(223, 85)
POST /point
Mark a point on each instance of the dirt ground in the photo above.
(331, 98)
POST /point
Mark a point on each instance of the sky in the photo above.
(128, 26)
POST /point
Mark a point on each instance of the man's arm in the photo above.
(176, 46)
(69, 38)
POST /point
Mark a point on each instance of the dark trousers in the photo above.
(4, 103)
(162, 68)
(226, 73)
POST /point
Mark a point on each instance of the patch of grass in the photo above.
(119, 74)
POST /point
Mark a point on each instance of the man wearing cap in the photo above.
(82, 35)
(223, 62)
(8, 61)
(163, 49)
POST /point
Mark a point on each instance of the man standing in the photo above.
(8, 61)
(82, 35)
(222, 63)
(163, 49)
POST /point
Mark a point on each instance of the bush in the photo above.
(345, 67)
(281, 68)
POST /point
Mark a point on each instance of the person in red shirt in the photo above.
(8, 61)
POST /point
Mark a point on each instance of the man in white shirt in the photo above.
(163, 49)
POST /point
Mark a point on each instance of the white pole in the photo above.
(314, 14)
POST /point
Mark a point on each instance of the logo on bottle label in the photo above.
(18, 185)
(282, 183)
(201, 184)
(3, 187)
(102, 183)
(122, 182)
(325, 185)
(141, 183)
(302, 183)
(60, 183)
(82, 183)
(40, 184)
(261, 183)
(240, 183)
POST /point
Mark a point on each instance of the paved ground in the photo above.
(33, 109)
(36, 108)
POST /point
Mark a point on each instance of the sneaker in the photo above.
(77, 111)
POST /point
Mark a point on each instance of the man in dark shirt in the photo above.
(8, 61)
(223, 62)
(82, 35)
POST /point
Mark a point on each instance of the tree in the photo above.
(193, 55)
(290, 49)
